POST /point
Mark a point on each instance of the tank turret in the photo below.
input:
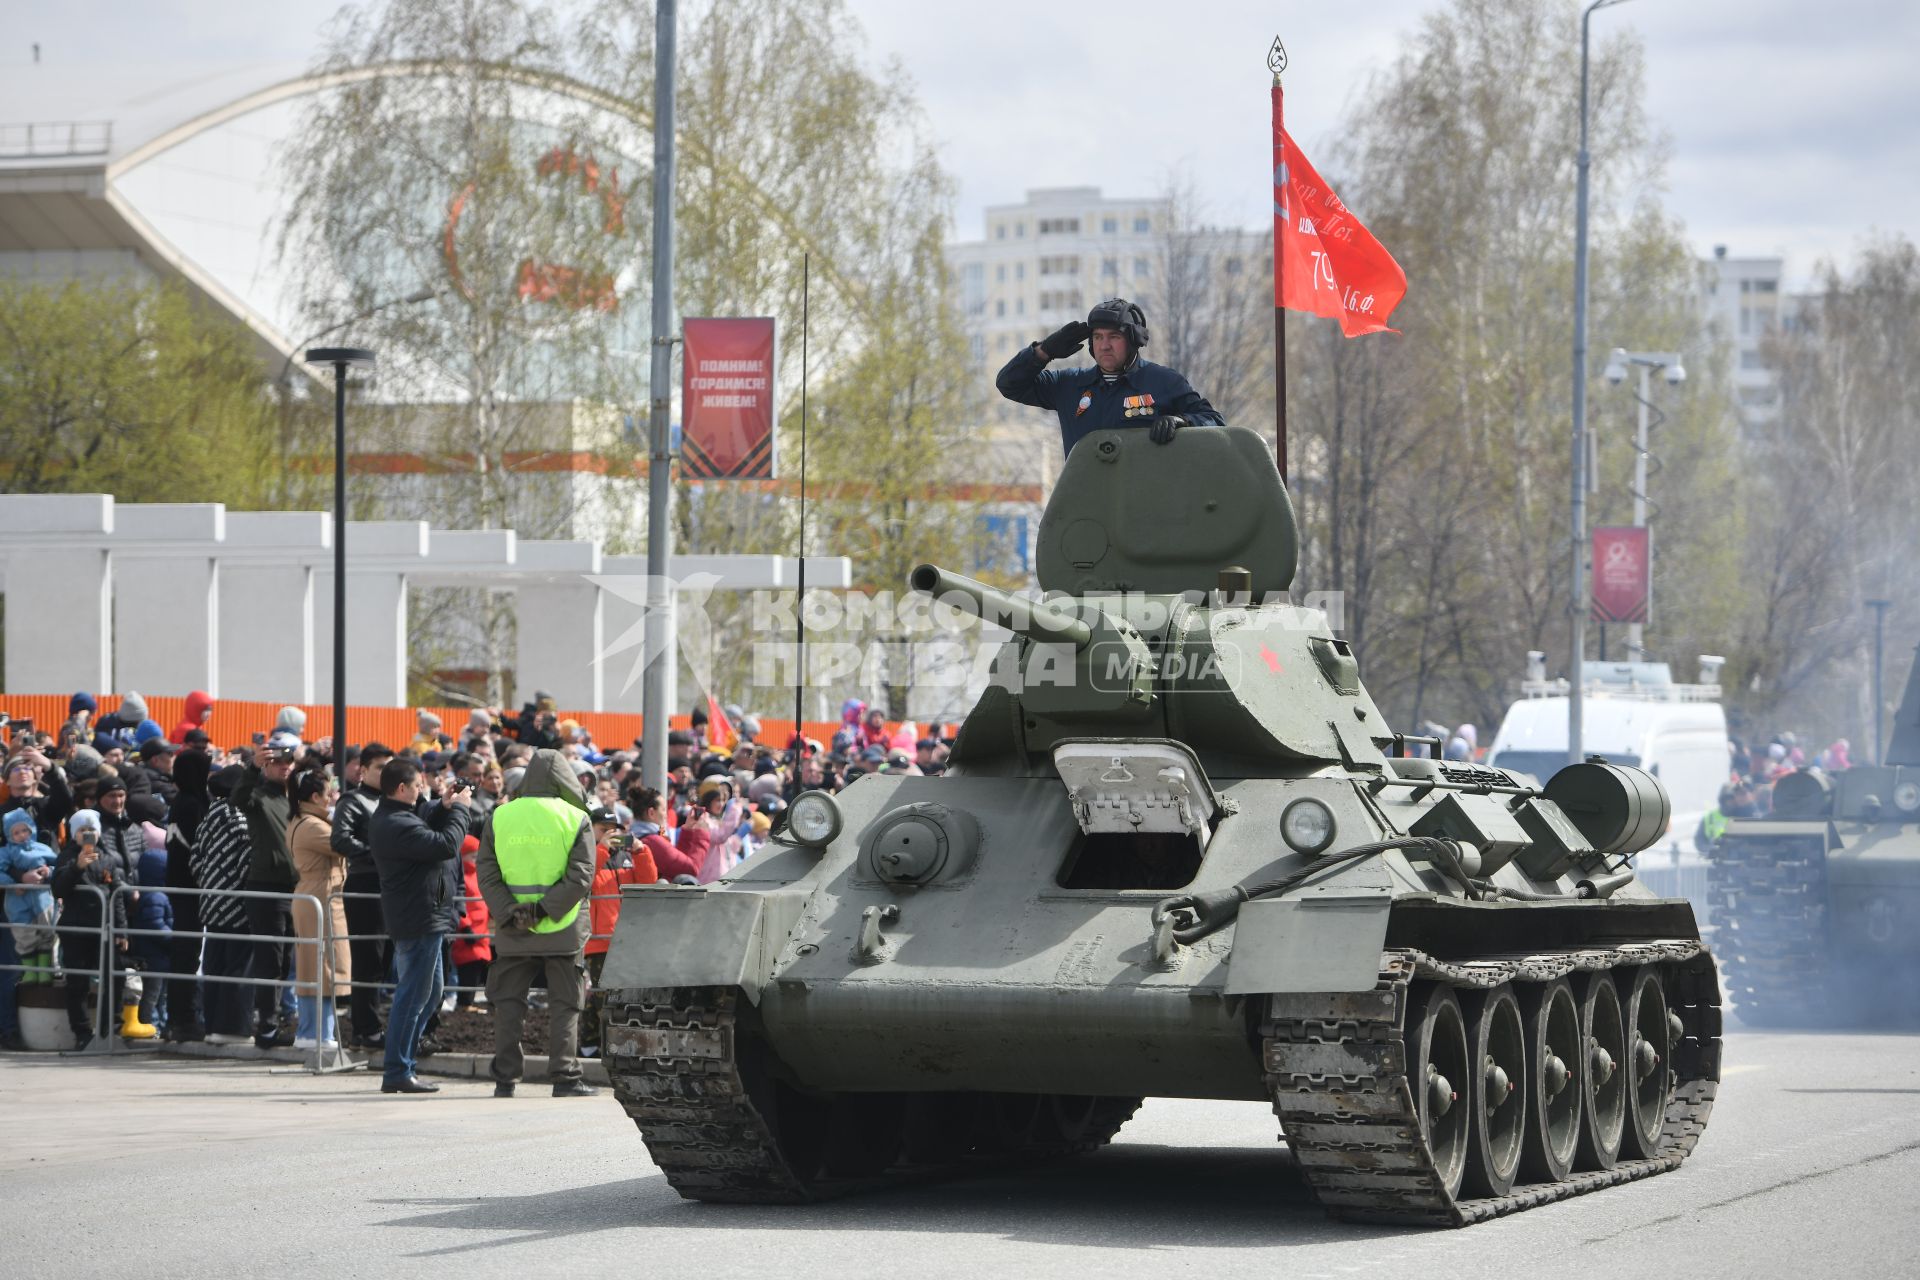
(1184, 626)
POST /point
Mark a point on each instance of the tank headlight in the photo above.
(1307, 825)
(1906, 797)
(813, 818)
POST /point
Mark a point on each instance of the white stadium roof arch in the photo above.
(113, 170)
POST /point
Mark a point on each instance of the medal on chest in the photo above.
(1086, 402)
(1140, 406)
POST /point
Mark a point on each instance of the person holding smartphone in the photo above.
(84, 880)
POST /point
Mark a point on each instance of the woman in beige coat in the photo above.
(318, 977)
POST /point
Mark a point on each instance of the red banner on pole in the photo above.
(1325, 262)
(726, 397)
(1622, 573)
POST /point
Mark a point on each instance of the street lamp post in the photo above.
(342, 359)
(1616, 373)
(1577, 605)
(660, 650)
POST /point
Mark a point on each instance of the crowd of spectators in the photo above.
(210, 856)
(1754, 770)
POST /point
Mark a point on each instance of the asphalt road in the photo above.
(171, 1167)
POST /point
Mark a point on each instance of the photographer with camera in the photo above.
(37, 785)
(262, 799)
(416, 848)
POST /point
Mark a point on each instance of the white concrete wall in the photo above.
(59, 620)
(172, 597)
(59, 588)
(266, 603)
(376, 637)
(166, 625)
(266, 632)
(560, 640)
(380, 554)
(166, 597)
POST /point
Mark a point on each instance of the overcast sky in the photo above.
(1792, 124)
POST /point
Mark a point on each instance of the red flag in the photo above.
(719, 728)
(1325, 262)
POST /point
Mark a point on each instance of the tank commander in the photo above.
(1121, 390)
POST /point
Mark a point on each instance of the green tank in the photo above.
(1178, 853)
(1815, 906)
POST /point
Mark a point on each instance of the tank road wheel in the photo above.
(1439, 1071)
(1497, 1119)
(1553, 1085)
(1649, 1081)
(1603, 1073)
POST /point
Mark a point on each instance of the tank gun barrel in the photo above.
(1035, 618)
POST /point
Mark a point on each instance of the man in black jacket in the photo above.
(262, 798)
(372, 955)
(416, 849)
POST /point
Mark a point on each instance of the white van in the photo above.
(1634, 714)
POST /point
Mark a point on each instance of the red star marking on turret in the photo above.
(1271, 658)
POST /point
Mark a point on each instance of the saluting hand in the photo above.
(1065, 340)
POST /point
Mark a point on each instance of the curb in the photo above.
(459, 1066)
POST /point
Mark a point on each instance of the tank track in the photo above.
(1336, 1068)
(1771, 907)
(705, 1112)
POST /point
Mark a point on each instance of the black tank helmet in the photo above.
(1127, 317)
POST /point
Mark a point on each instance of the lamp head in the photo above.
(1616, 370)
(351, 357)
(1676, 374)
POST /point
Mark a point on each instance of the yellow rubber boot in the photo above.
(131, 1028)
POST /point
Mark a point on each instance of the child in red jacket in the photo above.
(472, 945)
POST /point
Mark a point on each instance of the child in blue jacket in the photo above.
(30, 911)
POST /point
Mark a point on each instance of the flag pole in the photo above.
(1277, 62)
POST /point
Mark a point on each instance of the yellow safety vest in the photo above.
(531, 840)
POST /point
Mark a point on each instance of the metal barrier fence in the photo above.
(102, 934)
(327, 1056)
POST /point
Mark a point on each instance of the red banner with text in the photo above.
(726, 398)
(1622, 573)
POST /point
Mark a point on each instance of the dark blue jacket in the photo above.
(1086, 401)
(154, 910)
(416, 849)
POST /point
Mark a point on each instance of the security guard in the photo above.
(535, 867)
(1122, 390)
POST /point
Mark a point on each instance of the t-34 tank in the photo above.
(1818, 905)
(1179, 853)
